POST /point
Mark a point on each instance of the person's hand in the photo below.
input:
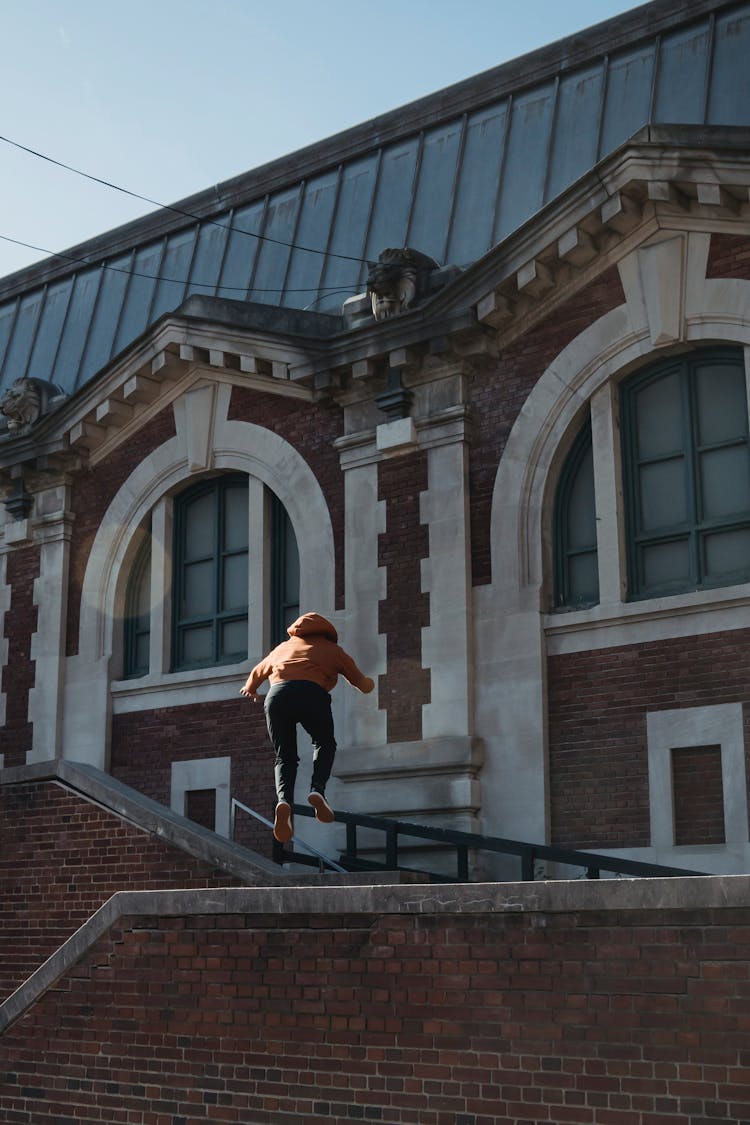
(250, 694)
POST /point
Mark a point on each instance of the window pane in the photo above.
(721, 398)
(663, 499)
(234, 639)
(235, 519)
(291, 592)
(141, 605)
(581, 513)
(198, 598)
(197, 645)
(725, 481)
(727, 553)
(235, 582)
(583, 579)
(142, 643)
(659, 417)
(666, 563)
(199, 527)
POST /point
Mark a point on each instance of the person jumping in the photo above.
(302, 672)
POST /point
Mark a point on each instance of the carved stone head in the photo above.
(24, 403)
(397, 279)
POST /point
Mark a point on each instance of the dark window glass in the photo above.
(577, 569)
(211, 573)
(284, 572)
(687, 474)
(138, 614)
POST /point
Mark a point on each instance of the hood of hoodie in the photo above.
(313, 625)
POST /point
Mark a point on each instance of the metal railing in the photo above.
(462, 843)
(311, 857)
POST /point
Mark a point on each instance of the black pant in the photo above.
(289, 703)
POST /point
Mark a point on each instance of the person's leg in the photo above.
(317, 720)
(282, 729)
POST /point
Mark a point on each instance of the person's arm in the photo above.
(259, 673)
(351, 672)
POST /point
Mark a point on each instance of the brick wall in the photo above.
(19, 673)
(61, 857)
(598, 766)
(405, 610)
(629, 1017)
(497, 397)
(729, 256)
(145, 743)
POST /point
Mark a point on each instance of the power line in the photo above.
(180, 210)
(325, 289)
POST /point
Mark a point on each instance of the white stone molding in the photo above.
(203, 773)
(608, 494)
(446, 641)
(194, 418)
(234, 446)
(48, 642)
(364, 724)
(661, 265)
(721, 725)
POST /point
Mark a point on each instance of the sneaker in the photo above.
(323, 810)
(282, 822)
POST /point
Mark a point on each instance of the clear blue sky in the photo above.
(167, 97)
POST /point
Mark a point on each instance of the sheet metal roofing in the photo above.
(451, 175)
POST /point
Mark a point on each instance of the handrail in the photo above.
(235, 804)
(464, 842)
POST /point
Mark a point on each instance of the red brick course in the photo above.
(61, 857)
(632, 1018)
(729, 256)
(598, 766)
(405, 610)
(19, 673)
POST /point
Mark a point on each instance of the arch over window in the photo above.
(232, 546)
(576, 555)
(686, 462)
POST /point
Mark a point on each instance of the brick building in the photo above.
(509, 460)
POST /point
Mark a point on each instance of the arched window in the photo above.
(686, 473)
(232, 547)
(576, 571)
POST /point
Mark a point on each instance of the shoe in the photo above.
(282, 822)
(323, 810)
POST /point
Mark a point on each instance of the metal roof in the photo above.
(477, 166)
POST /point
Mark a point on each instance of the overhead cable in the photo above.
(181, 210)
(325, 289)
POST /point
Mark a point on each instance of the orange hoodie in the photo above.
(312, 653)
